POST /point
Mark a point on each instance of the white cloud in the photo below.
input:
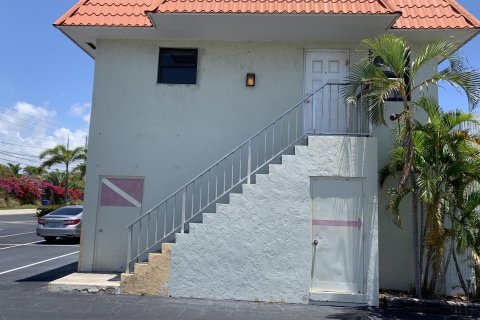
(26, 130)
(31, 110)
(86, 118)
(81, 110)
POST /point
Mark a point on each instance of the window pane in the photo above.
(66, 211)
(177, 66)
(178, 75)
(177, 58)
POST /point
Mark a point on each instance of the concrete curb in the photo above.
(436, 306)
(17, 211)
(87, 282)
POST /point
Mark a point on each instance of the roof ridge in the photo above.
(70, 12)
(392, 6)
(467, 15)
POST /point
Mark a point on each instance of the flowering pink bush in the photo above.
(30, 190)
(26, 189)
(75, 194)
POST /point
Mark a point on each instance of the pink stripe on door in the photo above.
(338, 223)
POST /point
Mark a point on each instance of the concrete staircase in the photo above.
(149, 278)
(258, 246)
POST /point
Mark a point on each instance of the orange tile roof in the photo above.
(275, 6)
(415, 14)
(434, 14)
(109, 13)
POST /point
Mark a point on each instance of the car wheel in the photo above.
(49, 239)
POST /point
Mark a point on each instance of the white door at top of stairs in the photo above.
(322, 67)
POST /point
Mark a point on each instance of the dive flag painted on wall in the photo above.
(121, 192)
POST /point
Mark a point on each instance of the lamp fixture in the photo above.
(250, 82)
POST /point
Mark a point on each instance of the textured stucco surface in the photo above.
(170, 133)
(258, 247)
(149, 278)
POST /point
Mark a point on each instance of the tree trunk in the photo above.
(459, 273)
(443, 276)
(416, 243)
(426, 273)
(65, 191)
(422, 236)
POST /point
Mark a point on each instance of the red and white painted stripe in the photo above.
(338, 223)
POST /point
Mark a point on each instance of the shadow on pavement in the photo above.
(60, 241)
(53, 274)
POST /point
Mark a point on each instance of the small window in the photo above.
(177, 66)
(395, 96)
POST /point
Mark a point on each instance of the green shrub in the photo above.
(43, 210)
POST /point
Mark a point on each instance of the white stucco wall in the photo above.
(259, 247)
(170, 133)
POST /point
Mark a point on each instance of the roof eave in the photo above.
(59, 27)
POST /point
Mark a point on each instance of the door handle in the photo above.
(315, 242)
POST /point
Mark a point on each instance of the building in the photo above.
(219, 125)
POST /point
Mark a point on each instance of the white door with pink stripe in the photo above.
(120, 203)
(337, 235)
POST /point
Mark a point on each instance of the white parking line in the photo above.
(36, 245)
(34, 264)
(16, 234)
(20, 245)
(18, 222)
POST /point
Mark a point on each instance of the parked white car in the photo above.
(63, 222)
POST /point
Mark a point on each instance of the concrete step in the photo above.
(87, 282)
(149, 278)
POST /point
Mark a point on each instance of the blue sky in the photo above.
(449, 97)
(46, 80)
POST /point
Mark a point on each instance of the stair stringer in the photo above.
(258, 247)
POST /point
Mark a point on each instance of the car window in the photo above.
(66, 212)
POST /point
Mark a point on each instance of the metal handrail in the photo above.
(236, 149)
(247, 144)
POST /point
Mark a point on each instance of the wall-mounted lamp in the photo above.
(250, 80)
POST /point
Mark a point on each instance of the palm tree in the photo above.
(81, 169)
(56, 177)
(14, 168)
(446, 161)
(62, 155)
(34, 171)
(390, 72)
(465, 233)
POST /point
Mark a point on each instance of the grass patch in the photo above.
(23, 206)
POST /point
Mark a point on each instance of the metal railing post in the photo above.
(182, 229)
(249, 161)
(156, 226)
(148, 229)
(313, 114)
(129, 249)
(203, 180)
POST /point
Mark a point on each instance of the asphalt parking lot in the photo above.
(23, 254)
(28, 263)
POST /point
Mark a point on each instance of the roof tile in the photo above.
(109, 13)
(415, 14)
(275, 6)
(434, 14)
